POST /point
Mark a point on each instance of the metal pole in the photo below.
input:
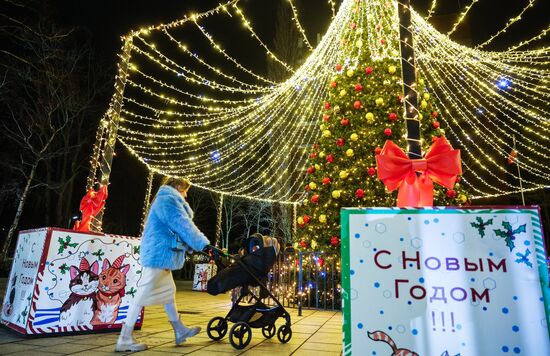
(519, 173)
(300, 286)
(111, 124)
(409, 79)
(147, 201)
(219, 222)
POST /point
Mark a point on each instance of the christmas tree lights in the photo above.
(211, 118)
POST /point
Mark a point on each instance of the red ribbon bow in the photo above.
(441, 165)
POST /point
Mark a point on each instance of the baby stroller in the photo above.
(248, 311)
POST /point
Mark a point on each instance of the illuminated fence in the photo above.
(307, 280)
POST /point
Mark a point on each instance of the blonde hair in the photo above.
(177, 183)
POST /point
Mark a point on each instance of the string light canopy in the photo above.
(210, 117)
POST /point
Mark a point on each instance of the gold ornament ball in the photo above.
(392, 69)
(337, 109)
(426, 96)
(322, 218)
(312, 186)
(322, 127)
(322, 154)
(313, 244)
(336, 194)
(343, 92)
(424, 104)
(349, 153)
(317, 167)
(295, 245)
(326, 133)
(359, 43)
(370, 116)
(420, 116)
(462, 198)
(379, 101)
(353, 137)
(350, 73)
(300, 220)
(421, 81)
(344, 174)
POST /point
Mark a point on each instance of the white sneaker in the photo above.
(129, 345)
(182, 333)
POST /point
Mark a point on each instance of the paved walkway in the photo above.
(317, 333)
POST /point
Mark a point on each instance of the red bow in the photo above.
(441, 165)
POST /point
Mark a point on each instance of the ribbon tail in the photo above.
(409, 193)
(426, 191)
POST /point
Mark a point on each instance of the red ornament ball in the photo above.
(334, 241)
(330, 158)
(357, 104)
(311, 170)
(368, 70)
(392, 116)
(358, 87)
(340, 142)
(327, 105)
(387, 131)
(306, 219)
(434, 114)
(312, 155)
(359, 193)
(451, 193)
(371, 171)
(377, 150)
(320, 262)
(326, 117)
(457, 179)
(345, 121)
(382, 41)
(303, 243)
(333, 84)
(315, 198)
(315, 145)
(435, 124)
(338, 67)
(326, 181)
(307, 187)
(400, 99)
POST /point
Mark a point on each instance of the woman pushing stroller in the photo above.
(169, 232)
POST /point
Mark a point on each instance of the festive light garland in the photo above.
(246, 135)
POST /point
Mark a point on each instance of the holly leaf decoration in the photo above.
(509, 234)
(481, 225)
(64, 268)
(98, 254)
(132, 292)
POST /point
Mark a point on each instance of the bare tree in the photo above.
(256, 216)
(47, 102)
(230, 221)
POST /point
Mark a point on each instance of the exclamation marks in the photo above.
(442, 320)
(453, 322)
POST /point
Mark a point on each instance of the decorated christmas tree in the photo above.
(364, 109)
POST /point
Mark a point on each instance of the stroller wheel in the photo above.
(216, 328)
(268, 331)
(240, 335)
(284, 334)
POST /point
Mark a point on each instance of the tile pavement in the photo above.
(315, 333)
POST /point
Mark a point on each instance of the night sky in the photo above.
(107, 20)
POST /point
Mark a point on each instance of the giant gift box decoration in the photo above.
(444, 281)
(203, 272)
(66, 281)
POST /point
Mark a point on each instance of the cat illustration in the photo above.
(8, 306)
(79, 308)
(382, 336)
(112, 282)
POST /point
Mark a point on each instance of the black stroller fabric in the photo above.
(258, 262)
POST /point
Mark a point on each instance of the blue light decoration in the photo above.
(215, 156)
(504, 83)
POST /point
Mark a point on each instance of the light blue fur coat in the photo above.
(169, 217)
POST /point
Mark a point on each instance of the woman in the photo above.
(169, 232)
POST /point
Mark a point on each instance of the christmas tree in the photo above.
(364, 108)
